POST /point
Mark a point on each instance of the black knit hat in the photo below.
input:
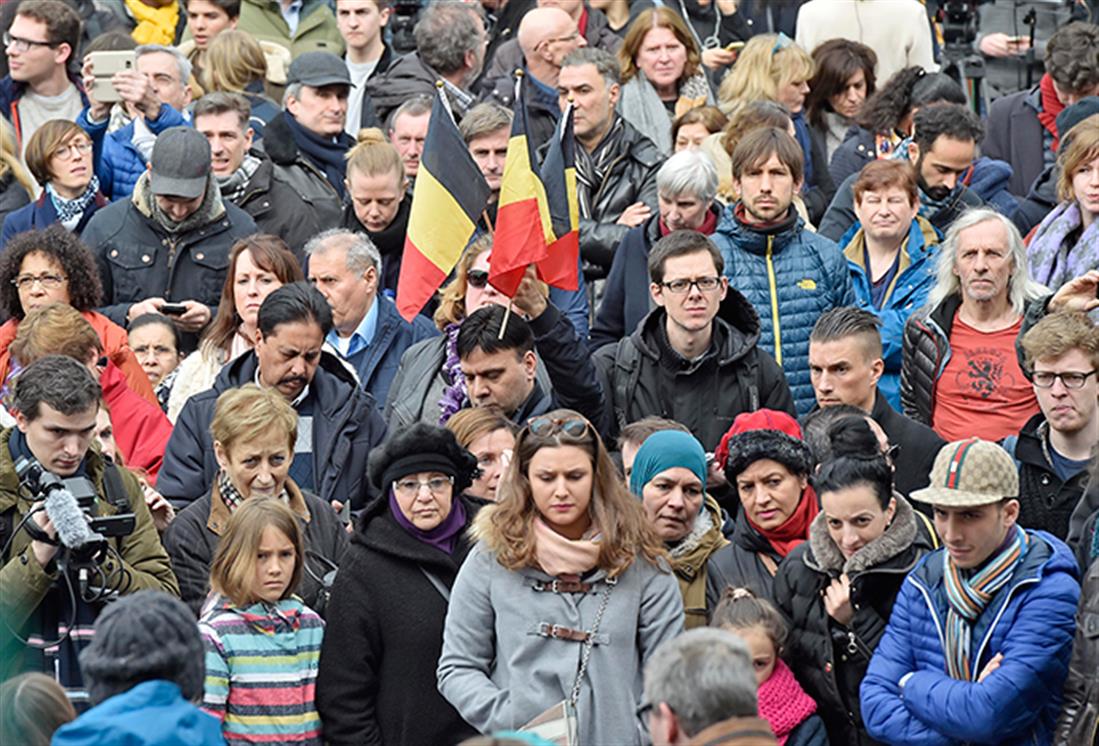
(141, 637)
(421, 447)
(766, 434)
(1071, 116)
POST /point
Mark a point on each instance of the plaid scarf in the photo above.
(232, 186)
(967, 596)
(71, 210)
(593, 168)
(231, 496)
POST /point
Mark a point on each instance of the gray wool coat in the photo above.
(499, 673)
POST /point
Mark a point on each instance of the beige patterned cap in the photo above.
(969, 473)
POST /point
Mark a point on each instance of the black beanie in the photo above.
(419, 448)
(141, 637)
(1071, 116)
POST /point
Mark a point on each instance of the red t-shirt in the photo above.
(982, 391)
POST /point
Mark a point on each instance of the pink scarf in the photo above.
(783, 703)
(558, 555)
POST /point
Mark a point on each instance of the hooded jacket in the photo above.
(138, 259)
(407, 76)
(791, 276)
(346, 426)
(500, 666)
(1030, 620)
(908, 292)
(317, 30)
(918, 443)
(384, 636)
(1079, 721)
(192, 539)
(830, 659)
(11, 92)
(643, 376)
(118, 162)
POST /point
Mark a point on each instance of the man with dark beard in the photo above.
(942, 149)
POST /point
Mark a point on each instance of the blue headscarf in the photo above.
(665, 450)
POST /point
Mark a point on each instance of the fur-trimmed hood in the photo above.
(899, 535)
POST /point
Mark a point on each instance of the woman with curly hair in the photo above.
(662, 76)
(38, 268)
(385, 628)
(565, 597)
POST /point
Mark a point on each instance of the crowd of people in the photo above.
(809, 456)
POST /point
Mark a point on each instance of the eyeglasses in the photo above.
(1044, 379)
(77, 148)
(24, 45)
(477, 278)
(50, 282)
(543, 426)
(411, 487)
(705, 284)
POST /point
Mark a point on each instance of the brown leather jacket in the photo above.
(1079, 721)
(736, 732)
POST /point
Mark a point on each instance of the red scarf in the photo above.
(1051, 107)
(709, 225)
(783, 703)
(795, 529)
(582, 23)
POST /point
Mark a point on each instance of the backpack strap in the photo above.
(627, 372)
(115, 489)
(748, 376)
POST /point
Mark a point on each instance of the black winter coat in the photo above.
(830, 659)
(1016, 136)
(1079, 721)
(1045, 502)
(739, 565)
(138, 259)
(346, 426)
(383, 638)
(12, 195)
(918, 446)
(192, 538)
(856, 150)
(542, 112)
(643, 376)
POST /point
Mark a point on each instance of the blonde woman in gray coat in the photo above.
(564, 552)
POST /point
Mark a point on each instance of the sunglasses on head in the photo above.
(477, 278)
(574, 427)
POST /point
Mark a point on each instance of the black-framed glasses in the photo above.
(1072, 379)
(50, 282)
(705, 284)
(543, 426)
(22, 45)
(477, 278)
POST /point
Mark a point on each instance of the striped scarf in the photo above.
(967, 596)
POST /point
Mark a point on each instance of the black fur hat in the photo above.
(421, 447)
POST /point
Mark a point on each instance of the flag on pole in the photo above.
(449, 197)
(538, 217)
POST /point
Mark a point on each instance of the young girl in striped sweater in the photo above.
(262, 642)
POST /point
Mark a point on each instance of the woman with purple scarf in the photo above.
(1066, 244)
(390, 598)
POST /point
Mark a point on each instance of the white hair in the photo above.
(362, 254)
(688, 172)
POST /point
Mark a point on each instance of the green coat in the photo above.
(317, 30)
(24, 583)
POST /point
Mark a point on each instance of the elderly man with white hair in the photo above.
(960, 373)
(686, 186)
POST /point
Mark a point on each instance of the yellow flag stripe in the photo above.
(437, 225)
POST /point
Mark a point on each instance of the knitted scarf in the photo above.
(154, 25)
(1053, 257)
(71, 210)
(1051, 107)
(326, 153)
(232, 186)
(967, 596)
(783, 703)
(592, 168)
(558, 555)
(795, 529)
(455, 395)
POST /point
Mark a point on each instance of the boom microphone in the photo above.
(69, 520)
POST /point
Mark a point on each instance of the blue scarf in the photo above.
(326, 153)
(72, 209)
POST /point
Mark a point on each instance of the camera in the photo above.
(401, 23)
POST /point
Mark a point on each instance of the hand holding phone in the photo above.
(173, 309)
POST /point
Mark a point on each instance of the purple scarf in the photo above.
(1052, 258)
(444, 536)
(454, 395)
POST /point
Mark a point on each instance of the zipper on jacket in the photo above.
(1000, 613)
(775, 323)
(855, 645)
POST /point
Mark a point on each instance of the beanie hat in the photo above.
(141, 637)
(970, 473)
(665, 450)
(764, 434)
(1071, 116)
(421, 447)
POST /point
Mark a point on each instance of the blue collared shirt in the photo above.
(291, 13)
(361, 338)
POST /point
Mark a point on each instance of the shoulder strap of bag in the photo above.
(627, 371)
(115, 489)
(590, 642)
(437, 583)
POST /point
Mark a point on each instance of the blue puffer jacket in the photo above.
(153, 713)
(119, 164)
(1030, 621)
(915, 276)
(791, 275)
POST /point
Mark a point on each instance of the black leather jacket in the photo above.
(1079, 721)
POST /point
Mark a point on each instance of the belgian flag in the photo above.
(449, 197)
(538, 218)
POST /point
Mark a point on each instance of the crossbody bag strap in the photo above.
(590, 642)
(435, 581)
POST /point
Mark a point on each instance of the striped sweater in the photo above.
(261, 665)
